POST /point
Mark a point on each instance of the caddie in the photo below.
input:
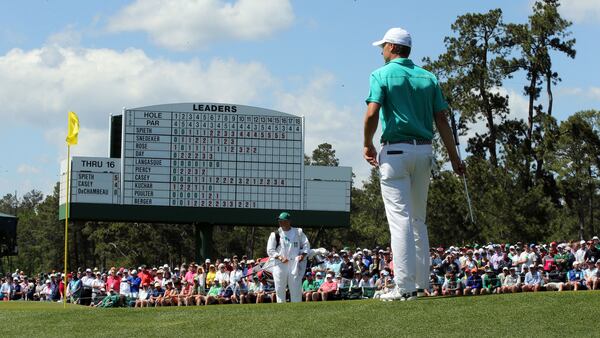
(288, 247)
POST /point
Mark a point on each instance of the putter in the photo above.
(455, 132)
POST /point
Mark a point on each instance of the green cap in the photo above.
(284, 216)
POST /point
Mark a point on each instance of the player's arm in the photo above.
(441, 123)
(371, 123)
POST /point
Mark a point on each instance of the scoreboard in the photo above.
(213, 163)
(212, 155)
(93, 180)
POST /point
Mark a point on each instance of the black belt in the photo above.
(415, 142)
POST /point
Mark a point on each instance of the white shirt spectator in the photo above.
(124, 289)
(235, 275)
(222, 275)
(580, 255)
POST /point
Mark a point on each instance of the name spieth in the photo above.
(215, 107)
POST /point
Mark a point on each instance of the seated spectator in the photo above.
(183, 298)
(327, 290)
(252, 287)
(240, 289)
(435, 286)
(452, 285)
(473, 283)
(589, 275)
(308, 287)
(143, 297)
(489, 283)
(555, 280)
(213, 293)
(576, 279)
(157, 294)
(266, 292)
(511, 283)
(365, 281)
(533, 280)
(355, 282)
(225, 294)
(39, 287)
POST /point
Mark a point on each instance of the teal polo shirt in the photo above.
(409, 97)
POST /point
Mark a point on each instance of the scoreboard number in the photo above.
(214, 156)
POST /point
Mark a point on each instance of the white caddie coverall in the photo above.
(291, 244)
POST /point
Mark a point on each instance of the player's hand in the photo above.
(370, 155)
(300, 257)
(283, 259)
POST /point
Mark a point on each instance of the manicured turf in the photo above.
(548, 314)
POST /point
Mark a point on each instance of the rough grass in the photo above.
(548, 314)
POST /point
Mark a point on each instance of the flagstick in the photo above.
(67, 223)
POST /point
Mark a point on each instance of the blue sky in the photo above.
(304, 57)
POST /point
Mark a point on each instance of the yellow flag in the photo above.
(73, 129)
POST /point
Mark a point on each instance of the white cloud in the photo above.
(184, 25)
(581, 11)
(342, 127)
(39, 86)
(594, 92)
(27, 169)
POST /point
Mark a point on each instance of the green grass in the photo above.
(548, 314)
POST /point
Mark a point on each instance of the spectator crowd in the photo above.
(344, 274)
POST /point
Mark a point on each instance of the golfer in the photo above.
(407, 99)
(288, 247)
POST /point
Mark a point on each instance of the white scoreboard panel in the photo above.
(212, 155)
(93, 180)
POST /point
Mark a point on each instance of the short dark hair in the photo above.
(401, 50)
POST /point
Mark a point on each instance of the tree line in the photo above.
(530, 180)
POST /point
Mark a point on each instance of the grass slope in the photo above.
(547, 314)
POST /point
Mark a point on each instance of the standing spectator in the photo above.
(222, 274)
(124, 287)
(580, 250)
(236, 274)
(592, 254)
(98, 289)
(210, 276)
(5, 289)
(134, 283)
(346, 267)
(75, 288)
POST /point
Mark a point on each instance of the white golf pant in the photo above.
(283, 277)
(405, 171)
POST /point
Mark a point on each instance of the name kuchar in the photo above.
(214, 107)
